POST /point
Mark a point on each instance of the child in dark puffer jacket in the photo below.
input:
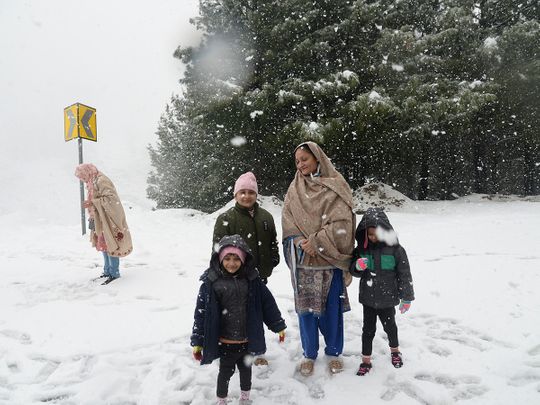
(385, 281)
(232, 305)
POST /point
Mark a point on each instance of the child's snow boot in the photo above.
(363, 369)
(397, 361)
(244, 398)
(221, 401)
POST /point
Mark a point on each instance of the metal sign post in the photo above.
(81, 186)
(80, 123)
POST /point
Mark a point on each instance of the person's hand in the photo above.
(197, 353)
(282, 336)
(361, 263)
(308, 248)
(404, 306)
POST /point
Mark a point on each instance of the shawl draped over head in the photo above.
(111, 232)
(319, 209)
(87, 172)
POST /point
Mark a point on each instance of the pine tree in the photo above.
(422, 94)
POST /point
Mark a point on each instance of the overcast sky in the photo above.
(115, 56)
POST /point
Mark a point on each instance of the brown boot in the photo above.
(306, 367)
(335, 366)
(260, 361)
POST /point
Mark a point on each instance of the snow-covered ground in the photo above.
(471, 336)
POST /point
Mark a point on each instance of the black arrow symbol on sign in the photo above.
(72, 123)
(86, 117)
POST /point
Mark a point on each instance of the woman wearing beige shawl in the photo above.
(109, 232)
(318, 237)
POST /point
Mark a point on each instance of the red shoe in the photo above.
(397, 362)
(364, 369)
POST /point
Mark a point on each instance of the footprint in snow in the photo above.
(534, 351)
(57, 397)
(405, 387)
(146, 298)
(524, 378)
(22, 337)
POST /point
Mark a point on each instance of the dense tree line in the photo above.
(437, 98)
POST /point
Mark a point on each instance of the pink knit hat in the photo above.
(246, 181)
(232, 249)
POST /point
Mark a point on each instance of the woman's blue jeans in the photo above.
(111, 267)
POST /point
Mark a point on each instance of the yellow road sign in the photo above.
(80, 122)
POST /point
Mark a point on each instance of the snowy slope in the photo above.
(472, 334)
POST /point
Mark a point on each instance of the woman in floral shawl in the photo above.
(318, 237)
(109, 232)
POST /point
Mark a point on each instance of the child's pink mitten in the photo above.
(361, 263)
(404, 306)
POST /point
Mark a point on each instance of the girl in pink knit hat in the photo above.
(233, 305)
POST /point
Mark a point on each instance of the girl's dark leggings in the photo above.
(232, 355)
(388, 320)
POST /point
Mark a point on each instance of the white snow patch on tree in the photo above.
(238, 141)
(313, 126)
(374, 96)
(490, 43)
(475, 84)
(398, 68)
(254, 114)
(348, 74)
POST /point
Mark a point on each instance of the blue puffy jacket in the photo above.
(261, 307)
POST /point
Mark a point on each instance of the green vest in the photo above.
(259, 232)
